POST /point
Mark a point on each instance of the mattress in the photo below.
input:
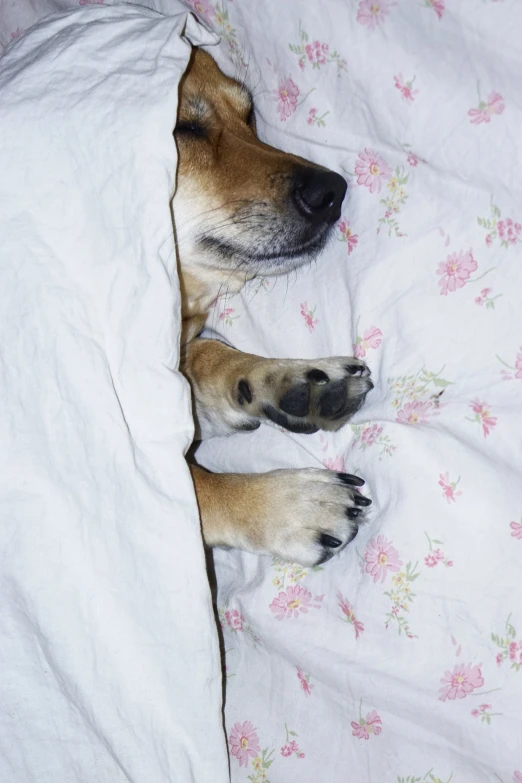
(399, 660)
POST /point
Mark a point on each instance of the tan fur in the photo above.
(282, 512)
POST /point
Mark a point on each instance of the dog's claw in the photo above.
(348, 478)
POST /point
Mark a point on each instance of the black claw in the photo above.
(244, 392)
(317, 376)
(348, 478)
(330, 541)
(360, 500)
(353, 513)
(353, 369)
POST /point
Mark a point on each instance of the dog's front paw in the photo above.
(308, 515)
(306, 396)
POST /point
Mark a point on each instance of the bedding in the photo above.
(108, 645)
(400, 660)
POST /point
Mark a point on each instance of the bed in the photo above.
(400, 660)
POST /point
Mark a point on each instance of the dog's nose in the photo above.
(318, 194)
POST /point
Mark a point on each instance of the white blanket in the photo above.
(399, 661)
(108, 647)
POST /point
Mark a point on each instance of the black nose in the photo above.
(318, 194)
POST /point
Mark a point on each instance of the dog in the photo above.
(242, 208)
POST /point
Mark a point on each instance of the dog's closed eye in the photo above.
(192, 128)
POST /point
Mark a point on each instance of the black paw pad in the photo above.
(282, 420)
(244, 392)
(317, 376)
(333, 400)
(296, 401)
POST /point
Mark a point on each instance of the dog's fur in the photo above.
(243, 208)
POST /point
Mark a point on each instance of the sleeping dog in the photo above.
(241, 209)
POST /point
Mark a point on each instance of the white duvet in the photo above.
(108, 647)
(401, 660)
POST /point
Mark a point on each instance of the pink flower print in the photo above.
(518, 363)
(495, 105)
(234, 620)
(464, 679)
(295, 600)
(304, 679)
(308, 316)
(381, 557)
(347, 235)
(489, 240)
(335, 463)
(347, 609)
(311, 116)
(517, 777)
(17, 33)
(516, 527)
(405, 88)
(300, 755)
(412, 160)
(359, 731)
(374, 722)
(286, 751)
(370, 434)
(373, 12)
(483, 415)
(415, 412)
(449, 488)
(286, 95)
(203, 8)
(431, 561)
(243, 742)
(499, 659)
(371, 170)
(363, 729)
(372, 338)
(316, 52)
(437, 5)
(455, 271)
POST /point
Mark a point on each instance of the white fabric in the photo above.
(319, 674)
(108, 646)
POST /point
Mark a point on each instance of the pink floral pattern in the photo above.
(455, 271)
(347, 235)
(517, 777)
(405, 88)
(308, 315)
(203, 8)
(483, 416)
(484, 712)
(506, 231)
(372, 724)
(449, 488)
(380, 558)
(436, 5)
(304, 681)
(510, 648)
(516, 528)
(371, 338)
(435, 554)
(349, 614)
(372, 13)
(459, 683)
(291, 748)
(316, 53)
(486, 109)
(415, 412)
(516, 369)
(371, 170)
(17, 33)
(293, 602)
(286, 95)
(243, 742)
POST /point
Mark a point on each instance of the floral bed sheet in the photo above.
(401, 660)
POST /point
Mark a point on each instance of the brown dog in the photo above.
(242, 208)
